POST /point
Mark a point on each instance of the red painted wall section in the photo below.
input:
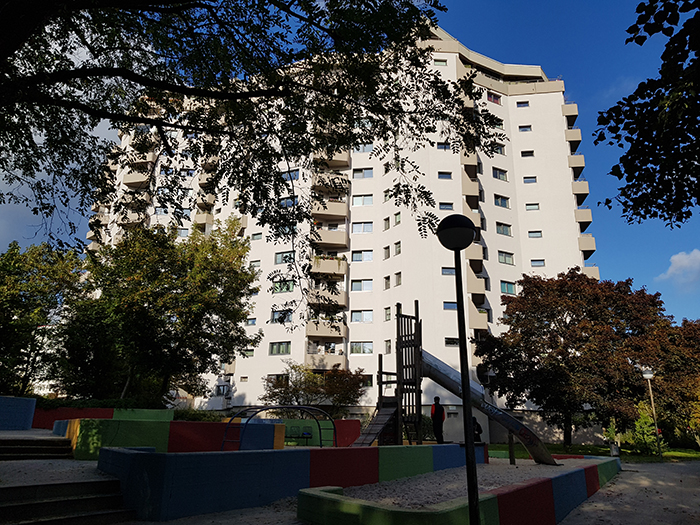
(200, 436)
(344, 467)
(45, 418)
(592, 480)
(528, 503)
(348, 430)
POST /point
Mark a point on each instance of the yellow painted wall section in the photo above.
(278, 444)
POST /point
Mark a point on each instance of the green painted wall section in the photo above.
(404, 461)
(91, 434)
(607, 470)
(130, 414)
(323, 505)
(299, 426)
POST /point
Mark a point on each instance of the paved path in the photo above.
(645, 493)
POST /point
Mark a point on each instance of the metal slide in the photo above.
(451, 380)
(376, 426)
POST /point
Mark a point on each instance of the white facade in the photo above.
(526, 200)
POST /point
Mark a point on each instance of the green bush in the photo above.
(643, 437)
(190, 414)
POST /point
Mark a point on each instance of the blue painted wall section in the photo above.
(450, 456)
(16, 413)
(569, 491)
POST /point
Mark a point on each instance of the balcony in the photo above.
(130, 219)
(136, 180)
(586, 243)
(205, 178)
(340, 160)
(201, 219)
(475, 285)
(325, 297)
(145, 158)
(467, 159)
(584, 217)
(210, 163)
(326, 328)
(325, 361)
(331, 238)
(475, 254)
(330, 209)
(591, 271)
(478, 319)
(470, 190)
(336, 266)
(206, 200)
(573, 137)
(570, 111)
(580, 190)
(93, 246)
(331, 181)
(91, 236)
(577, 162)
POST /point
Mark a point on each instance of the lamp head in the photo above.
(647, 373)
(456, 232)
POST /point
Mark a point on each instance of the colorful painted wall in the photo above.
(163, 487)
(16, 413)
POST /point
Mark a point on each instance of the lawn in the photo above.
(626, 454)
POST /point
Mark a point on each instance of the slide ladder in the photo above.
(379, 422)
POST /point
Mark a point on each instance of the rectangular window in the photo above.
(522, 104)
(535, 234)
(281, 316)
(527, 153)
(505, 258)
(289, 202)
(387, 346)
(361, 227)
(449, 305)
(362, 256)
(387, 195)
(387, 313)
(161, 211)
(243, 379)
(364, 148)
(537, 263)
(361, 347)
(525, 128)
(283, 286)
(362, 200)
(493, 97)
(500, 149)
(361, 285)
(397, 218)
(281, 348)
(256, 236)
(397, 279)
(532, 206)
(387, 252)
(182, 232)
(508, 287)
(451, 341)
(446, 206)
(444, 175)
(448, 271)
(443, 146)
(387, 282)
(529, 180)
(250, 321)
(499, 174)
(284, 257)
(440, 61)
(397, 248)
(361, 316)
(501, 201)
(290, 175)
(255, 264)
(363, 173)
(387, 223)
(249, 352)
(504, 229)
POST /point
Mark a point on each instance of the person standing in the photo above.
(437, 414)
(477, 430)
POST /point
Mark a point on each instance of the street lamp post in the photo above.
(649, 375)
(455, 233)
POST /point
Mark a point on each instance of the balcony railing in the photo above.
(330, 265)
(326, 298)
(331, 238)
(326, 328)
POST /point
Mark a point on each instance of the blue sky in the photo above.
(583, 43)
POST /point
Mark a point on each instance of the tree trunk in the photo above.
(568, 424)
(128, 380)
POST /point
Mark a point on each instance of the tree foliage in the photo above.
(156, 314)
(251, 83)
(334, 391)
(572, 345)
(34, 285)
(658, 123)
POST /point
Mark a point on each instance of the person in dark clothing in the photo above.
(437, 414)
(477, 430)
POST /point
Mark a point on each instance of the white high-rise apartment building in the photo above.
(527, 201)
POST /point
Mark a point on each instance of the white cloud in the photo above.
(684, 269)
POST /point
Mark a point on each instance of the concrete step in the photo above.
(43, 448)
(59, 507)
(46, 442)
(28, 493)
(86, 518)
(19, 457)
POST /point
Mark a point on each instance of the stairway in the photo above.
(97, 502)
(12, 449)
(383, 418)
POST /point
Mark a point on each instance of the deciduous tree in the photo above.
(572, 345)
(659, 123)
